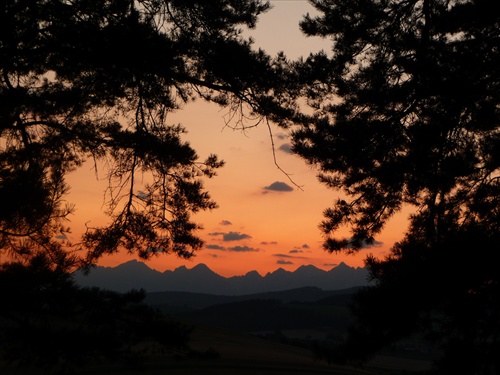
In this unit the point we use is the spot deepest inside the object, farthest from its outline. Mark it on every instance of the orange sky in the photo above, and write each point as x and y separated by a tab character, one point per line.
254	228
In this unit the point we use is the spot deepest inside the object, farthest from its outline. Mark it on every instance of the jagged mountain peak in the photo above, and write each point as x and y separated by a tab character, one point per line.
278	271
252	274
132	263
134	266
180	269
308	268
341	266
202	267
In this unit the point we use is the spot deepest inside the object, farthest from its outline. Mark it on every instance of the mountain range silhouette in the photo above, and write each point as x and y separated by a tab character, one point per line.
201	279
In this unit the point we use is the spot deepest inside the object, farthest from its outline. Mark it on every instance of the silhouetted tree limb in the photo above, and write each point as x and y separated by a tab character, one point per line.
95	80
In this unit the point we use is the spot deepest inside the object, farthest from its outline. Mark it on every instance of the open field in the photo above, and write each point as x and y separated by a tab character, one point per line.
222	352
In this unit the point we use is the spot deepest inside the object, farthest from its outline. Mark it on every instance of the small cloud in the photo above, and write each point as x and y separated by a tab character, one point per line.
295	251
268	243
62	237
305	246
361	244
214	247
225	222
284	262
242	249
286	147
235	236
214	255
231	236
279	186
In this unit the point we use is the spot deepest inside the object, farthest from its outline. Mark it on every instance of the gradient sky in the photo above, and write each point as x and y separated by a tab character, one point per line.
263	221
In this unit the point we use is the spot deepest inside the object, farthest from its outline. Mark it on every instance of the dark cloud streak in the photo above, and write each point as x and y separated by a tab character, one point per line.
289	256
214	247
231	236
242	249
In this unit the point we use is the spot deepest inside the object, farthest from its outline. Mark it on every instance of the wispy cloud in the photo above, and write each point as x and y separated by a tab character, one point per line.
374	244
214	247
225	222
280	255
242	249
284	262
366	245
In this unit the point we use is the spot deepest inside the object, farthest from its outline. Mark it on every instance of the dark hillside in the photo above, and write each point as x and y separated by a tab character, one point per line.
178	302
257	315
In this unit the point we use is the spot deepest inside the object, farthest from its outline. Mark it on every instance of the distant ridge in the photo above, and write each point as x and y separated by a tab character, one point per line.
201	279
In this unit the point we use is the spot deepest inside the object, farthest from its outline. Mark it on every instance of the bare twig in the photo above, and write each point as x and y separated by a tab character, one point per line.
275	160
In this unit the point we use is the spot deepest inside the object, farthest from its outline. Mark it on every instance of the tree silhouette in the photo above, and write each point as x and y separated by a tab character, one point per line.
95	81
407	114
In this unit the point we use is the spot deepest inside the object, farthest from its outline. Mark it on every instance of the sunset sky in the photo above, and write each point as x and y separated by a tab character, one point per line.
263	221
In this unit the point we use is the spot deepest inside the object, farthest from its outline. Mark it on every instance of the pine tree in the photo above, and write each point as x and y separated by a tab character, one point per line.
407	111
95	81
